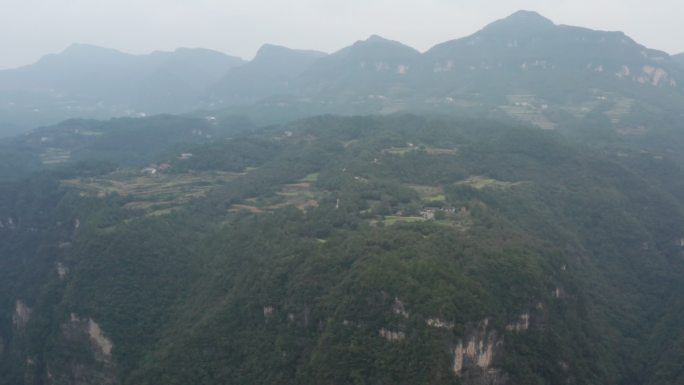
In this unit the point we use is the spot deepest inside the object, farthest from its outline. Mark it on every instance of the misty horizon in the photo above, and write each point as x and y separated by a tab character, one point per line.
440	23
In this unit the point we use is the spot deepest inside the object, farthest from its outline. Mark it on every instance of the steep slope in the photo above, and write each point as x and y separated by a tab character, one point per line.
267	75
523	67
351	250
533	69
679	58
131	142
372	67
369	76
88	81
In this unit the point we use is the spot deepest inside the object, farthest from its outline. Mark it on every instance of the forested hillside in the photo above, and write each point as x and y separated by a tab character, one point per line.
523	68
361	250
679	58
86	81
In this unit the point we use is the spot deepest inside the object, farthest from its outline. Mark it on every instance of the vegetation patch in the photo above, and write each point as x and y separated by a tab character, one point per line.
399	150
480	182
148	192
392	219
55	156
251	209
300	195
311	178
429	193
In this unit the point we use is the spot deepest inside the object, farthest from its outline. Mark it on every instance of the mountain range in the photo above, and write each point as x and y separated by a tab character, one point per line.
523	66
88	81
510	211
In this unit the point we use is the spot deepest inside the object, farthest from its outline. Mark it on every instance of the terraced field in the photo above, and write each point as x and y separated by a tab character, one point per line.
429	193
479	182
55	156
156	194
302	195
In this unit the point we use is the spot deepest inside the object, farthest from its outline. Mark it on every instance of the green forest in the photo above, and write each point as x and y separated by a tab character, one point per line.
343	250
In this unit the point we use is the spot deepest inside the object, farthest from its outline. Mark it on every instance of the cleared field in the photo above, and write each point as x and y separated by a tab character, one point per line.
55	156
480	182
392	219
251	209
157	192
430	150
311	178
302	195
429	193
399	150
621	108
441	151
529	109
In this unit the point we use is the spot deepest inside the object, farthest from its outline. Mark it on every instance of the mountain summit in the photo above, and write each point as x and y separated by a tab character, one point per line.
268	74
563	69
90	81
519	22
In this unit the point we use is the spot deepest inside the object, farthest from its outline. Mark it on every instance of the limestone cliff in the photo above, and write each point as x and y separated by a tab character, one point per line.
475	356
92	365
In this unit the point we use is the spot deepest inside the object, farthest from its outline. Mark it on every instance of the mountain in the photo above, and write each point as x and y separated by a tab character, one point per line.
333	250
354	80
368	67
89	81
526	60
268	74
523	67
466	246
129	142
679	58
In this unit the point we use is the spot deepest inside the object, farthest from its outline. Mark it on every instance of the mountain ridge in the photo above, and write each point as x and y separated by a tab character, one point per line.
523	66
90	81
268	74
679	58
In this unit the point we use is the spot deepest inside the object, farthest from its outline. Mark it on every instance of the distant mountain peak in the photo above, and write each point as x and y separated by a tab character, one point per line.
520	21
273	51
80	48
271	47
377	39
377	42
524	15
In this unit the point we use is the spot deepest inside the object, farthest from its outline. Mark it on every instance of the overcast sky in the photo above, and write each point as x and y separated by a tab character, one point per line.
30	29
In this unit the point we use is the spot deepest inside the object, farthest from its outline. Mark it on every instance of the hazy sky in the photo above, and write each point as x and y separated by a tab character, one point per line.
32	28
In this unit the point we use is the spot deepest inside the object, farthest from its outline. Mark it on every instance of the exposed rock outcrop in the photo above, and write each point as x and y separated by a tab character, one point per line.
475	356
98	367
522	324
439	324
21	316
62	270
398	308
392	336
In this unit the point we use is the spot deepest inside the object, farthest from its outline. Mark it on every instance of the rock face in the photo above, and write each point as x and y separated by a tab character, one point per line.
521	324
22	315
392	336
475	356
95	367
